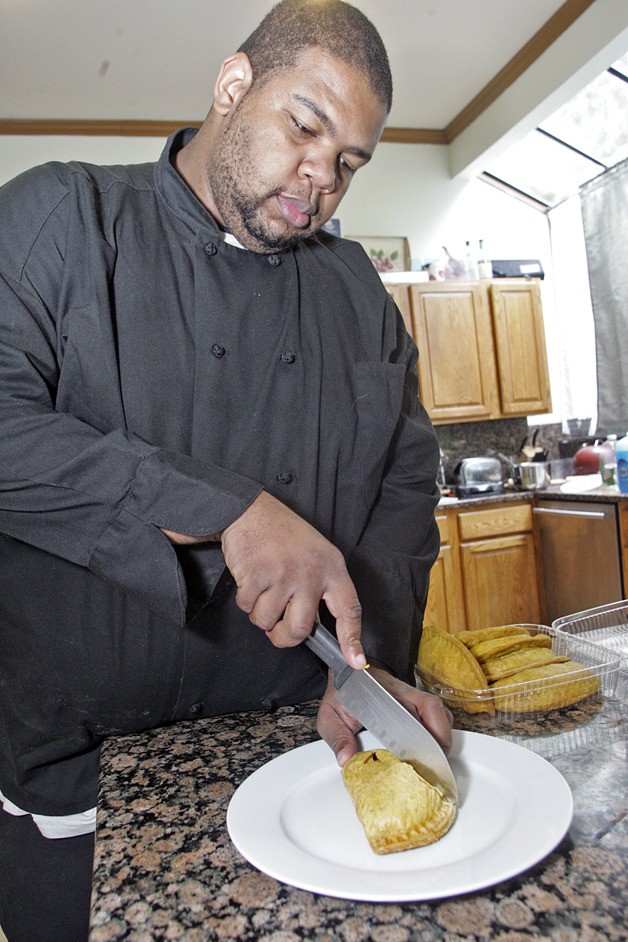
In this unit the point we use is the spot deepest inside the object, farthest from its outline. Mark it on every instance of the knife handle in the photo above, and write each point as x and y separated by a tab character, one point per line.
323	643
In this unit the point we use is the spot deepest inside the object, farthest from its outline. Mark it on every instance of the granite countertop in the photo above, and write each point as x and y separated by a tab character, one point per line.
603	494
166	869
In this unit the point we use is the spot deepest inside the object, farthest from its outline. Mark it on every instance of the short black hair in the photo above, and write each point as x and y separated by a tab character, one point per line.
333	25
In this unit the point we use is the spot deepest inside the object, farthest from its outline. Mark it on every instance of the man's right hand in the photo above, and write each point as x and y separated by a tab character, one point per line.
283	567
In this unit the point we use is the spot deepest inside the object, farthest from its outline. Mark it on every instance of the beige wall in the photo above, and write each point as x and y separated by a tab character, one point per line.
405	191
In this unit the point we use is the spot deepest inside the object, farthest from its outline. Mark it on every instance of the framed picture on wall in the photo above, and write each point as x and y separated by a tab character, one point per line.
333	226
388	253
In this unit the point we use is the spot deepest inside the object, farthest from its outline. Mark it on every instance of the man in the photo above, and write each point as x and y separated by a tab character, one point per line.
209	426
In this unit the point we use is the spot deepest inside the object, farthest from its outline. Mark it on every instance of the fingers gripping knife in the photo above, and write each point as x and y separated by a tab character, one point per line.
383	716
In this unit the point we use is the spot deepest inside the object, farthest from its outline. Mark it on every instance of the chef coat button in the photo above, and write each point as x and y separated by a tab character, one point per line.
287	357
218	351
274	260
285	477
269	703
211	248
196	707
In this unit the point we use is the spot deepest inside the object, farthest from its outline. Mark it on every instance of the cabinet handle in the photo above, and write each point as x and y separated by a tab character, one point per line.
570	513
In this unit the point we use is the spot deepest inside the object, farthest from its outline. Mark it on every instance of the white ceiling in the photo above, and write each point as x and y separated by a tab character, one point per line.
157	59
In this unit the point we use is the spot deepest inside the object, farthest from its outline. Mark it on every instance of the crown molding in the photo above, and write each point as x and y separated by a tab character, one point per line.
564	17
92	127
414	136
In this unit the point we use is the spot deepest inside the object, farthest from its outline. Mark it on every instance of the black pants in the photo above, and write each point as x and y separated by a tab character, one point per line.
45	885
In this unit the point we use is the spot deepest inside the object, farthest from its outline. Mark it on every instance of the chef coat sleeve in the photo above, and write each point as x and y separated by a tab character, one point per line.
391	563
97	498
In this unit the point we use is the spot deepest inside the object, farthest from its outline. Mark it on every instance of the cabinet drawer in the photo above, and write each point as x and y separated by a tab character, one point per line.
442	521
494	521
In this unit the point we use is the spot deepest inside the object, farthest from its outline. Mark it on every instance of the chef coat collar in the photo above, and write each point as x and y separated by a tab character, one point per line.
180	198
175	191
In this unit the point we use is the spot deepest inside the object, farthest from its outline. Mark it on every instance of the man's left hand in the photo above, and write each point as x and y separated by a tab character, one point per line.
338	727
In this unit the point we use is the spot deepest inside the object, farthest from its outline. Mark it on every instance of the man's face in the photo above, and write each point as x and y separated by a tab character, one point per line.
286	153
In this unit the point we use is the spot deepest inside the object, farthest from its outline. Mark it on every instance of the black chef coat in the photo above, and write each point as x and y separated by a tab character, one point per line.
153	375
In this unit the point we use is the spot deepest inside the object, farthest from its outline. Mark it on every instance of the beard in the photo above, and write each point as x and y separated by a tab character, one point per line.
257	227
240	195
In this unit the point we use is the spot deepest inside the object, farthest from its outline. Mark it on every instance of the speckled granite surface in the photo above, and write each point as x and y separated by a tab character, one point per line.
166	869
605	495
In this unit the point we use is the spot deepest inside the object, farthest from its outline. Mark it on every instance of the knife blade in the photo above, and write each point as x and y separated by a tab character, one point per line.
383	716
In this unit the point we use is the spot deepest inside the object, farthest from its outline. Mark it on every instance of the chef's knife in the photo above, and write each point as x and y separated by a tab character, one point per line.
383	716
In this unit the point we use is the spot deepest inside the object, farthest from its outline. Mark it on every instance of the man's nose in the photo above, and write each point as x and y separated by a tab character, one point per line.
321	170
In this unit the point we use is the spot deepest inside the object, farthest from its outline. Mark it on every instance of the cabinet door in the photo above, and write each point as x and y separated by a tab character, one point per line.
500	581
520	345
457	372
401	296
443	607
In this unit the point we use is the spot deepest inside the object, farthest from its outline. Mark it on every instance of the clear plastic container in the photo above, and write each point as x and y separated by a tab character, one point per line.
606	624
519	700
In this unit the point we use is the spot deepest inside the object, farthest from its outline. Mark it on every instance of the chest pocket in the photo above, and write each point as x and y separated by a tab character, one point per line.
378	394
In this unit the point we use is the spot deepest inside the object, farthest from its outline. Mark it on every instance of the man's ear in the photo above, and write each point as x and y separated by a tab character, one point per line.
234	80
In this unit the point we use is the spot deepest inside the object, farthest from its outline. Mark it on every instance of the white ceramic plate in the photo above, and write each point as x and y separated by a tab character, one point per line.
294	820
578	484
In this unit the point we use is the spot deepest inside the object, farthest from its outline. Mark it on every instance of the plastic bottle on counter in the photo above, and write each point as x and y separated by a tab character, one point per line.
485	266
608	461
470	264
621	453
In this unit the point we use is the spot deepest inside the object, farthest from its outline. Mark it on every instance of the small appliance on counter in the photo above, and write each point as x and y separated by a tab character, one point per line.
517	268
475	477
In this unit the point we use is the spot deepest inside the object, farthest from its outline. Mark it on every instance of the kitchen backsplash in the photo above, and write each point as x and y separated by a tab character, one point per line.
504	436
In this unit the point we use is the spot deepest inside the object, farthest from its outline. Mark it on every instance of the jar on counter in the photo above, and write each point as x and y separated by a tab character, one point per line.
596	459
608	461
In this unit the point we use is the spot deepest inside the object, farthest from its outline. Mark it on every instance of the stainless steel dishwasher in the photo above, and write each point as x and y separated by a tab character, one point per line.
581	556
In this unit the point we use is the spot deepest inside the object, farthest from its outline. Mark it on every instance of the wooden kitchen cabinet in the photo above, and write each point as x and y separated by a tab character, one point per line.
401	296
457	368
487	572
500	581
482	352
444	602
520	347
499	565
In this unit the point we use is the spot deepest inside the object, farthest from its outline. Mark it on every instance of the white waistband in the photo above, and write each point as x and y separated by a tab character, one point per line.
55	826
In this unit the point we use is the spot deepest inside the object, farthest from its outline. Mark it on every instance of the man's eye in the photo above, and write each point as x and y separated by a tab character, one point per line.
346	166
300	127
